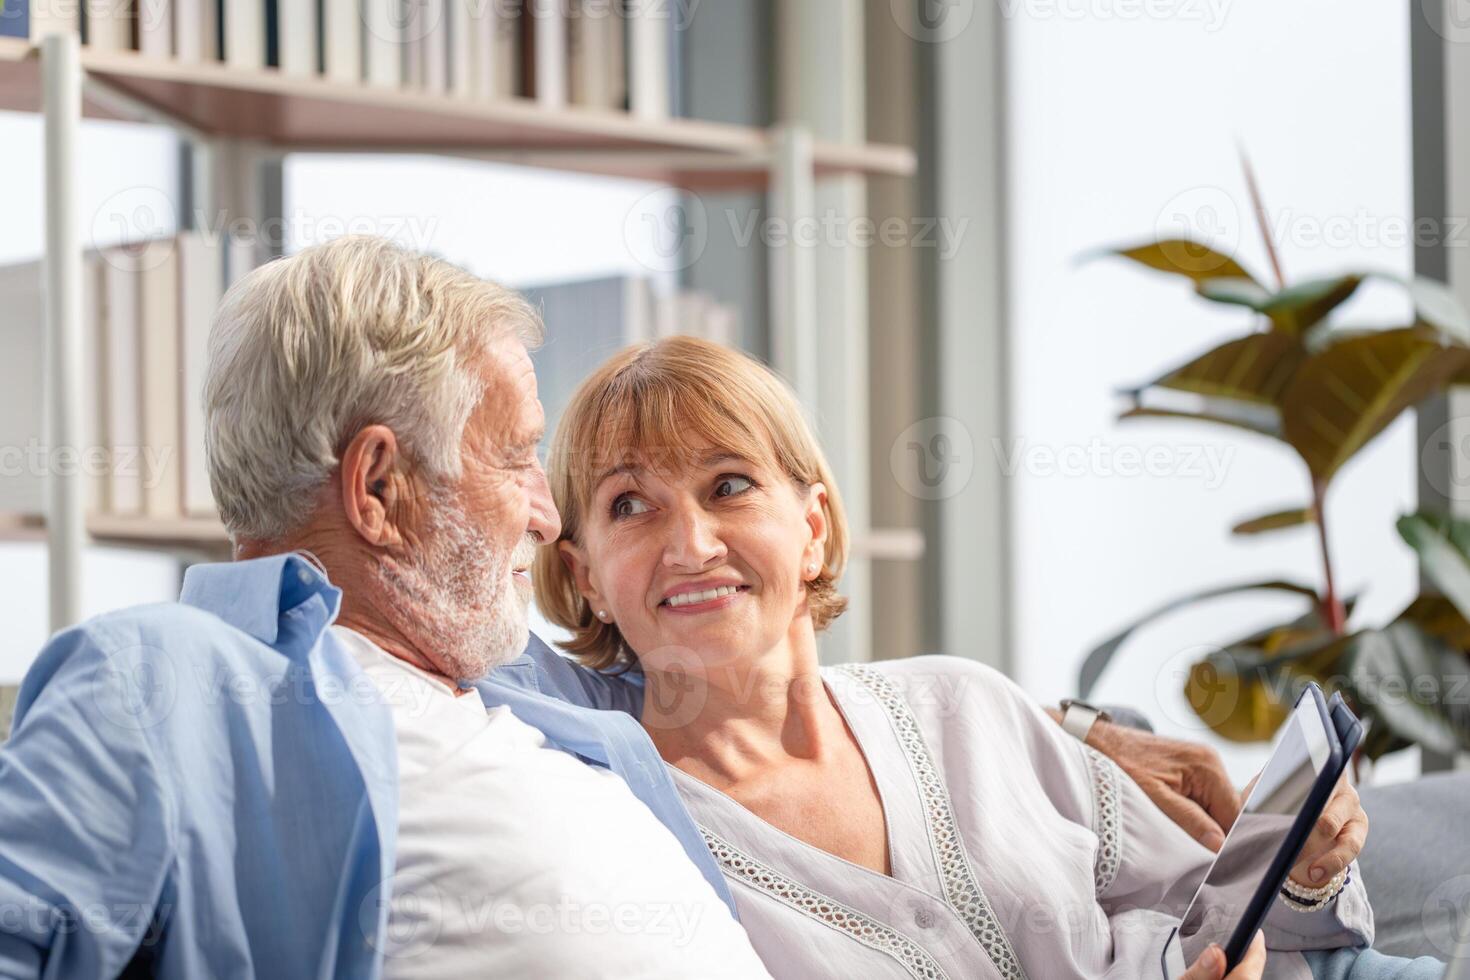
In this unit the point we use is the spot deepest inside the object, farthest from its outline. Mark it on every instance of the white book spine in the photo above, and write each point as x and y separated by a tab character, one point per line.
382	46
506	64
435	45
110	25
462	26
551	52
296	21
201	284
648	61
162	429
481	22
94	395
342	24
195	31
124	398
156	28
245	33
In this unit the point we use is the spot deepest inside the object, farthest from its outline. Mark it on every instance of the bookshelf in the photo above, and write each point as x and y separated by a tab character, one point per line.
229	110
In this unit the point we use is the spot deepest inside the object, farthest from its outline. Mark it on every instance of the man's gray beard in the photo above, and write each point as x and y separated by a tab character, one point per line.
455	598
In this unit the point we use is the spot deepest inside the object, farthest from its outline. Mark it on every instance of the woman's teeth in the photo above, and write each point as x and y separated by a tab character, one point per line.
690	598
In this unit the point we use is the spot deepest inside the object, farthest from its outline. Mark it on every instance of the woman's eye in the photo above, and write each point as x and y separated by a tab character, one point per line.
732	485
627	505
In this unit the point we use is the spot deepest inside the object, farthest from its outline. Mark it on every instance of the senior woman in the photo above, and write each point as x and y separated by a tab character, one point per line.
917	817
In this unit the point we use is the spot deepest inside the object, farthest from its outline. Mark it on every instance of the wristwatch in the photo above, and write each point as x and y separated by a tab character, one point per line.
1078	717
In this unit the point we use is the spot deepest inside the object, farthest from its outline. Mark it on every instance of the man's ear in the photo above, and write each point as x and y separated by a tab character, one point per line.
371	481
816	521
575	559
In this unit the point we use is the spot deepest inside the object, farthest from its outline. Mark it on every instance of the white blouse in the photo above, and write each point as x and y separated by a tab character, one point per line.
1016	851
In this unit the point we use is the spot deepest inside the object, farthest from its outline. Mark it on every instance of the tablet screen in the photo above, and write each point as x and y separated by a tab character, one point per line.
1300	753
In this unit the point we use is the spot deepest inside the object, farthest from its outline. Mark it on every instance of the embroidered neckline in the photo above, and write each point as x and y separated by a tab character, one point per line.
813	904
961	889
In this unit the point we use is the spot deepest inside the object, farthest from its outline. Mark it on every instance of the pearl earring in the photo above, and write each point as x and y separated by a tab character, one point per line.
602	614
812	568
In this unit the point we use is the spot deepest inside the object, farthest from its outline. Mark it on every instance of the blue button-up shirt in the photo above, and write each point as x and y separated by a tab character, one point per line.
209	787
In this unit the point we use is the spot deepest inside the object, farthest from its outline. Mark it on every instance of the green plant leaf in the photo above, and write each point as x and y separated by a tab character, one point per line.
1101	655
1297	307
1236	292
1275	521
1412	683
1218	411
1443	546
1244	691
1436	304
1253	368
1344	396
1182	257
1439	617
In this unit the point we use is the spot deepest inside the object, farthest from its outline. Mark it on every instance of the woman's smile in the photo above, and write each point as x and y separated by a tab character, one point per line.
701	598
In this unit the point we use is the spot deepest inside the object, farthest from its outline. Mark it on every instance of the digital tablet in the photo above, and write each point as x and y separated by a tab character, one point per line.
1311	751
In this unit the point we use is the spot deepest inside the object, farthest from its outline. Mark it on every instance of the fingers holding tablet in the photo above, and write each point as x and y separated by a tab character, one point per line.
1335	841
1211	963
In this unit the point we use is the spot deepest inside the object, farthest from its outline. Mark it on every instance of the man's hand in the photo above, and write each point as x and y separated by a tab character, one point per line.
1211	963
1185	780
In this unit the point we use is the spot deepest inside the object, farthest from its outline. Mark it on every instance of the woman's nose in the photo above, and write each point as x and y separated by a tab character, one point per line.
694	539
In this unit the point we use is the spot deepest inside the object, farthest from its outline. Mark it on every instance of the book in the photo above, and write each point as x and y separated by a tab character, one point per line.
121	385
341	40
201	284
547	68
244	33
463	25
95	439
162	430
22	336
434	44
196	31
648	29
382	42
108	25
34	19
506	61
296	26
156	28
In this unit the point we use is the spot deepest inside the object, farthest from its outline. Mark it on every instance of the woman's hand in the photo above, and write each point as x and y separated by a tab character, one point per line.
1336	841
1211	963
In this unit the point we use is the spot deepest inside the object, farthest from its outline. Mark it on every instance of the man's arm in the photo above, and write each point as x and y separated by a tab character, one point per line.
1185	780
84	841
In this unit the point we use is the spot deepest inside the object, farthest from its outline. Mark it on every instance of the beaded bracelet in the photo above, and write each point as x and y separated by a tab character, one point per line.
1302	899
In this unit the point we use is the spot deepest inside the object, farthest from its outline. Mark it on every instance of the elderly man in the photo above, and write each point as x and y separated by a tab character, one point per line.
280	775
289	772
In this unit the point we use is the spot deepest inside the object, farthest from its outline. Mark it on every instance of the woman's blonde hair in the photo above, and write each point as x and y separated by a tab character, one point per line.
663	404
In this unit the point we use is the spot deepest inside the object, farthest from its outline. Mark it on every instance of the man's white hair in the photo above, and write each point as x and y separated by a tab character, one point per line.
307	350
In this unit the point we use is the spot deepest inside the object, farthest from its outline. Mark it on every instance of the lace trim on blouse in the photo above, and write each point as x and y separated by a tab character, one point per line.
863	928
961	889
1104	818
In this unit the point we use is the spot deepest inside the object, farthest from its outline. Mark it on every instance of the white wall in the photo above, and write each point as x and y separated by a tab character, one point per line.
127	176
1122	129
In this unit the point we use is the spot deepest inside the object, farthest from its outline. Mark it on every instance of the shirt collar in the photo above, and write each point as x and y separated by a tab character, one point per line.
253	595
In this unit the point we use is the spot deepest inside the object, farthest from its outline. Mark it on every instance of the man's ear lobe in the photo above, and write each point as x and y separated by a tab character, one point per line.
368	489
575	559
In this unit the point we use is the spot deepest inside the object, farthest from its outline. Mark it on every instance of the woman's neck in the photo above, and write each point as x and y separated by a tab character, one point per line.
733	722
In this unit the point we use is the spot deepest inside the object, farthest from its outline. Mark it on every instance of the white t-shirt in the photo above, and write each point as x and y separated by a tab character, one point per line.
517	860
